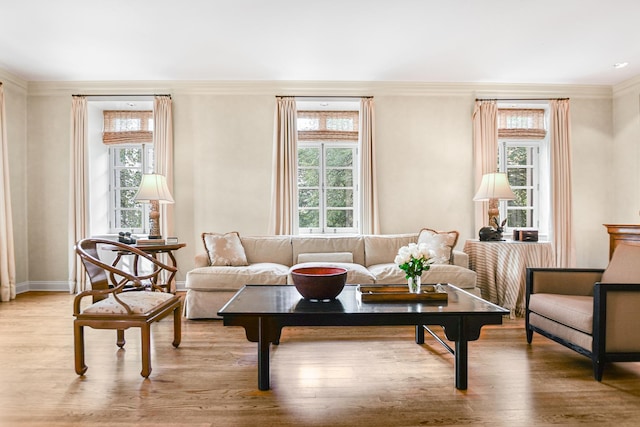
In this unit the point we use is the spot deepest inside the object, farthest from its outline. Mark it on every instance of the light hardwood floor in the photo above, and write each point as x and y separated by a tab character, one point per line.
374	376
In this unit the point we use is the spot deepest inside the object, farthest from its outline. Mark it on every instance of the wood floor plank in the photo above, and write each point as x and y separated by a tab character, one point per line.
368	376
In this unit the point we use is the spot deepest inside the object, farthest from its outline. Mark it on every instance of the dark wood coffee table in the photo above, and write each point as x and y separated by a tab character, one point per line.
263	310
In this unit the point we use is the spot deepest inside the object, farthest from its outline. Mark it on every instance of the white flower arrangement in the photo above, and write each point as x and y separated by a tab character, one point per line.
414	258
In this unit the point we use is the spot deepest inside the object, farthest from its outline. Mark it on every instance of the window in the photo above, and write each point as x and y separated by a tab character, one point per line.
327	172
128	163
523	156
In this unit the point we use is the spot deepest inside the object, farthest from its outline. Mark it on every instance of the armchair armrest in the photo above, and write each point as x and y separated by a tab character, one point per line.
201	260
565	281
616	317
460	258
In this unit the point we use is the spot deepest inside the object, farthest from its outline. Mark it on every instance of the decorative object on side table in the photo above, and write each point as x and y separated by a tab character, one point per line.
413	259
494	187
153	190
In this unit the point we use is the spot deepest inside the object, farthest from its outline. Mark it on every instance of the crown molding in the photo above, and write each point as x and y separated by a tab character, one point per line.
8	77
631	85
318	88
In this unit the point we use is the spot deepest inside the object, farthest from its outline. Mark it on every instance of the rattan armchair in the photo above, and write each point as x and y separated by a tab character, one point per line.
121	300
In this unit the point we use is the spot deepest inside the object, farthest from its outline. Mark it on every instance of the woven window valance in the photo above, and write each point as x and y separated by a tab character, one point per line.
127	127
523	123
328	125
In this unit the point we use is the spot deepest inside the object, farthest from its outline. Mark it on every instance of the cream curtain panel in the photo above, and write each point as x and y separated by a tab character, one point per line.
485	150
78	191
561	200
7	251
163	153
285	161
370	215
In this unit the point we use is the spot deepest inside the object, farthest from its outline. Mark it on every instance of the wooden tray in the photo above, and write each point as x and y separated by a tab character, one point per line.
400	293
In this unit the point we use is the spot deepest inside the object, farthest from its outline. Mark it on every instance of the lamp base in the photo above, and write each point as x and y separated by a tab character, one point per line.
154	220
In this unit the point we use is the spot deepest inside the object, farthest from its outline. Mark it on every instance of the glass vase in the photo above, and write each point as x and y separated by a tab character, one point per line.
414	284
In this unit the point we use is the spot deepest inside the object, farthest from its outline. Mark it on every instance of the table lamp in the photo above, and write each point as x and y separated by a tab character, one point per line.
494	187
153	190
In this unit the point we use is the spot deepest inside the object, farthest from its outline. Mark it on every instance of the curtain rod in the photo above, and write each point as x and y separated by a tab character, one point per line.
322	96
522	99
124	95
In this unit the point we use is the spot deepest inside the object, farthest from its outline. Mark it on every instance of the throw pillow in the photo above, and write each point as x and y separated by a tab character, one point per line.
224	249
326	257
624	266
440	242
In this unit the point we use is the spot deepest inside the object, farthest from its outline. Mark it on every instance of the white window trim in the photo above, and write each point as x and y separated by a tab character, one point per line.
323	145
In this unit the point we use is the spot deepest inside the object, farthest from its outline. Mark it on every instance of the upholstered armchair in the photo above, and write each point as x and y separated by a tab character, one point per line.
592	311
121	300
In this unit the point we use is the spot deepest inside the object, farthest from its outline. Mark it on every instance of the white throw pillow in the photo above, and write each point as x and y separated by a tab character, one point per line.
326	257
440	242
224	249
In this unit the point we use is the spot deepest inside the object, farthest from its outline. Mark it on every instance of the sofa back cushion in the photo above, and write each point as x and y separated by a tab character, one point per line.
382	249
313	244
624	266
275	249
326	257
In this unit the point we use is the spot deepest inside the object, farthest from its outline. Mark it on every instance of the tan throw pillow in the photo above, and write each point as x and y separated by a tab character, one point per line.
624	266
440	242
224	249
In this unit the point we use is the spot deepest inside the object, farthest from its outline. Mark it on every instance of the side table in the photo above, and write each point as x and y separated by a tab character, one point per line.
501	269
153	250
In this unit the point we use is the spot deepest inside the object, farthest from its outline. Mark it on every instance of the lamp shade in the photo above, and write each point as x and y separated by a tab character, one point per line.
153	187
494	186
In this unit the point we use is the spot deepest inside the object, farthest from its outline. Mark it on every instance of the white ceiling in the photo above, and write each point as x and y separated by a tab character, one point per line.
471	41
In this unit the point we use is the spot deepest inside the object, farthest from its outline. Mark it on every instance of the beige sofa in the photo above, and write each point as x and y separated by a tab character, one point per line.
269	259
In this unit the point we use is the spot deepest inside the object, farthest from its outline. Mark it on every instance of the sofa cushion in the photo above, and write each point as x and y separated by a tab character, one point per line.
309	244
276	249
574	311
440	242
356	273
224	249
624	266
391	274
233	278
382	249
326	257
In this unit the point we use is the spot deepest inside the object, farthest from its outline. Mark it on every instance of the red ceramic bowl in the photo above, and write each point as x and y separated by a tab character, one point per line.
319	283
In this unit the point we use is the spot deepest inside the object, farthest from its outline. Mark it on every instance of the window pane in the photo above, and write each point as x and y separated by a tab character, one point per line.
131	157
519	177
308	178
523	198
309	218
339	198
308	123
340	177
130	178
518	156
339	218
308	156
339	157
126	199
343	124
519	218
309	198
130	219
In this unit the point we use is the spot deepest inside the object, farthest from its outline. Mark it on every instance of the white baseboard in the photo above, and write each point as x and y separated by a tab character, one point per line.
59	286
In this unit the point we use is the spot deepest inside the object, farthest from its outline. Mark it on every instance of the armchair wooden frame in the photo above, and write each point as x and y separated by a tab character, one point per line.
606	320
133	309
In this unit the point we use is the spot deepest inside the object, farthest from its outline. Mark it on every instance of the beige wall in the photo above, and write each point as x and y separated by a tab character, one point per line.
223	149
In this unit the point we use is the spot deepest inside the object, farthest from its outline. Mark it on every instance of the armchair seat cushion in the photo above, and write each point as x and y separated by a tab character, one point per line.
139	302
574	311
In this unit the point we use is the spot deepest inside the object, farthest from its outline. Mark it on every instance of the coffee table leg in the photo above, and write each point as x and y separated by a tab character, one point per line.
263	354
461	364
419	334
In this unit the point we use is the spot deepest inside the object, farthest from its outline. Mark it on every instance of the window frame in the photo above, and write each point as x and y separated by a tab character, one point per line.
115	190
323	188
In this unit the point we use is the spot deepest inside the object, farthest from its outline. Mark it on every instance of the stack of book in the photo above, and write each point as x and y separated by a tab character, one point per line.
150	242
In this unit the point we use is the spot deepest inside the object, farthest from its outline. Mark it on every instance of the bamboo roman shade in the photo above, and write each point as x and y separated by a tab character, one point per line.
127	127
521	123
327	125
